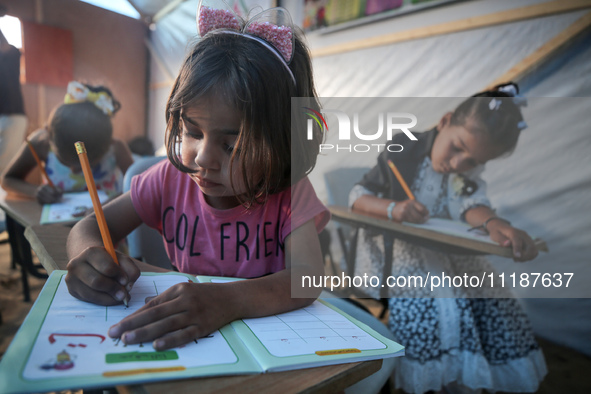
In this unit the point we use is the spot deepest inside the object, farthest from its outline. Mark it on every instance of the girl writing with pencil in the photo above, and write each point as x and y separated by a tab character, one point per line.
454	341
84	116
229	201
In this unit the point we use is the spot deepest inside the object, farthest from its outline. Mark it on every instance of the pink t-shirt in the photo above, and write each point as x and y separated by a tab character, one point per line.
202	240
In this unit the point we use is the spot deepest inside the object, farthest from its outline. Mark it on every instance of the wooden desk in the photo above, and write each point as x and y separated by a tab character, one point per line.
21	213
329	379
428	238
424	237
24	211
49	243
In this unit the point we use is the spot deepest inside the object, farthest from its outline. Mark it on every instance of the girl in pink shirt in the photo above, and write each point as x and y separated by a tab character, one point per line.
230	200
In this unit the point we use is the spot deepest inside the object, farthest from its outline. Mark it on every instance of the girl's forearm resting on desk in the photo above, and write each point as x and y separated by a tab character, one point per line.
14	176
478	215
501	231
44	193
18	186
371	205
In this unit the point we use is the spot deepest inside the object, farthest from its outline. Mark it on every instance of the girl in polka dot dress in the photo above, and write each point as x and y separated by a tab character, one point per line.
455	340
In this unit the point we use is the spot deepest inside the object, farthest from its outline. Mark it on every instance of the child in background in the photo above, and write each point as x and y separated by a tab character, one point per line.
84	116
452	341
13	122
141	146
228	202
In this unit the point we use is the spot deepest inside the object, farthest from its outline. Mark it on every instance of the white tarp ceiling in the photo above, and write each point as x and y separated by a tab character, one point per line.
152	7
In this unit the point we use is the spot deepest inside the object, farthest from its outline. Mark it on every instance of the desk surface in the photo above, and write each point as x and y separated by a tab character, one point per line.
428	238
49	243
329	379
27	212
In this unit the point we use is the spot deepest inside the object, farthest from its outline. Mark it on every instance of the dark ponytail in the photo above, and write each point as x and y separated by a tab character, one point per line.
496	112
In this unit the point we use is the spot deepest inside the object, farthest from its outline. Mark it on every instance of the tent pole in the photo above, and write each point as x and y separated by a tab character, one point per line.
543	53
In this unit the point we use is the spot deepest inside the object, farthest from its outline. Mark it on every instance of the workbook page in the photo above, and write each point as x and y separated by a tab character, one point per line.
316	329
72	207
451	227
73	339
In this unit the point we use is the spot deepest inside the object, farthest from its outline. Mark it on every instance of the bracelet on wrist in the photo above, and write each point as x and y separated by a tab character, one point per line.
487	221
390	209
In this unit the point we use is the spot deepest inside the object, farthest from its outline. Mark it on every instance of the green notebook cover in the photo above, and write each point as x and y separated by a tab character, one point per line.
63	343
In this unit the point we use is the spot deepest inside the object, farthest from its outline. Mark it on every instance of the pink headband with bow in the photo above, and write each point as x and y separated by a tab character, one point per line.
272	27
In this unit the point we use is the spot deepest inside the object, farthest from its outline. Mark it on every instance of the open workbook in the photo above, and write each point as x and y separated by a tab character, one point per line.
63	343
72	207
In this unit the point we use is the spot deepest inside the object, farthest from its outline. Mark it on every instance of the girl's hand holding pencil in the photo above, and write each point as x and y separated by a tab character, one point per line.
94	277
409	210
47	194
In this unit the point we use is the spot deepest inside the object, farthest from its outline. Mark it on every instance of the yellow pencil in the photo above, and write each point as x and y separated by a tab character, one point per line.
96	203
40	164
401	180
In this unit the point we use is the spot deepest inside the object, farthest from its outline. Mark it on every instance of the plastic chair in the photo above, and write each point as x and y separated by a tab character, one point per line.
144	242
339	183
375	382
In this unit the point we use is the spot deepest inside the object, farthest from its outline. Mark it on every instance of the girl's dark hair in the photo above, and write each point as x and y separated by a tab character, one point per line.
260	88
501	119
85	122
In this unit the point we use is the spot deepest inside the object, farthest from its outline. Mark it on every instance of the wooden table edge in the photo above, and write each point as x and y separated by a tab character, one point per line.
344	214
284	382
51	258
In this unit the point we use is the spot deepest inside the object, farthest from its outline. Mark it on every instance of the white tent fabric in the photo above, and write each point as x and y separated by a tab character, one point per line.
553	200
169	42
170	37
149	7
557	145
451	65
